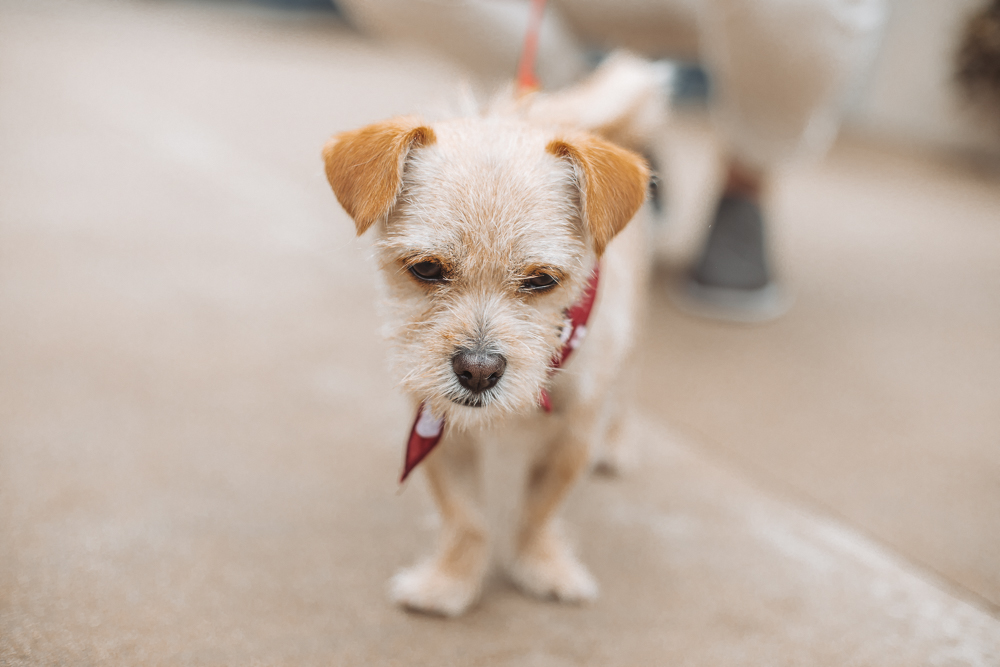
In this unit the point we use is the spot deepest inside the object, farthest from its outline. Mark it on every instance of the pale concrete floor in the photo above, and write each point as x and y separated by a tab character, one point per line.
198	444
877	397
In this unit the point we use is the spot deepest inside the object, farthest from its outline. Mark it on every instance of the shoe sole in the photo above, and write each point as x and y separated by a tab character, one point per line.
724	304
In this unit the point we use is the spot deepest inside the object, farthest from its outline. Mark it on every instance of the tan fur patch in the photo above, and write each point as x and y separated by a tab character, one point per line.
614	183
365	166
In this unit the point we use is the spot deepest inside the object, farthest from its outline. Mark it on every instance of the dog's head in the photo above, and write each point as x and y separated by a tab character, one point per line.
488	230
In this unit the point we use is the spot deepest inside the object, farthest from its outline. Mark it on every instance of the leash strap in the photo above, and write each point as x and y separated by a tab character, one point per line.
527	82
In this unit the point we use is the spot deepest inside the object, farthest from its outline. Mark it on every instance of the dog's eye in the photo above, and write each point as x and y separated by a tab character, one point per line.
431	272
539	283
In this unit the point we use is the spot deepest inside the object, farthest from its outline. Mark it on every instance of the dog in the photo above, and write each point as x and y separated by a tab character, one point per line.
489	229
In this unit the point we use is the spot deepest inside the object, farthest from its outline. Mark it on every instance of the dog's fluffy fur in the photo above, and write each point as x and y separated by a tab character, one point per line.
531	186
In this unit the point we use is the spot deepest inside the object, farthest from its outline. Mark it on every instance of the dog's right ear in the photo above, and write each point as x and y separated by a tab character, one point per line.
365	167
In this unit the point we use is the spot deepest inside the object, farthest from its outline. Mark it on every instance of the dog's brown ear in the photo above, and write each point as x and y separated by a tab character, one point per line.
614	183
365	167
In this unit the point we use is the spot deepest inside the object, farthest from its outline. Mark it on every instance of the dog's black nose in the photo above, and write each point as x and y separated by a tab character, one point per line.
478	371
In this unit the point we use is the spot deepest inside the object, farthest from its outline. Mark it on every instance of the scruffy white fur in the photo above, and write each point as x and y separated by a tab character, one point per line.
529	187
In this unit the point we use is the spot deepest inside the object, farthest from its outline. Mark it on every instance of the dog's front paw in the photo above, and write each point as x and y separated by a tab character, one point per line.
426	588
553	572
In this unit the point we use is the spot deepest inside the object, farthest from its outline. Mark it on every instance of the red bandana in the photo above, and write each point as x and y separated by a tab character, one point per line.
427	429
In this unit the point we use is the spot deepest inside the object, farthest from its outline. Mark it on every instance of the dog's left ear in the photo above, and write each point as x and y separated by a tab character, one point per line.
365	167
613	183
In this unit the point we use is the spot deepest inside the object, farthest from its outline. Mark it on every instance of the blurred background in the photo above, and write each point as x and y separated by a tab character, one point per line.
199	442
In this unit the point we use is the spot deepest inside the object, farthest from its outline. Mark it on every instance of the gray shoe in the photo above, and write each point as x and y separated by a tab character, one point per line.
731	280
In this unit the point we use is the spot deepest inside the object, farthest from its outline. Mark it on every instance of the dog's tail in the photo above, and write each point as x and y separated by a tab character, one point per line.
625	100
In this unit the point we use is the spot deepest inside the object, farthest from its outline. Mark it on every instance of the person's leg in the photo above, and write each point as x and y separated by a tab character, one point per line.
779	70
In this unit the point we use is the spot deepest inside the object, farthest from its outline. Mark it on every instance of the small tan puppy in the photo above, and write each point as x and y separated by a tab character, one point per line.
488	230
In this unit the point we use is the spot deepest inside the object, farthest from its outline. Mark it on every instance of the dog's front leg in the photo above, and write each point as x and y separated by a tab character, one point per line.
544	565
449	582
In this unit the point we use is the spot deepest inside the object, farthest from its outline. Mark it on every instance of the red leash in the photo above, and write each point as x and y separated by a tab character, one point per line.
527	82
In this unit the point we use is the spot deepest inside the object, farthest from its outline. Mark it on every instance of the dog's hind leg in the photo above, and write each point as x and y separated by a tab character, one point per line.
543	564
614	451
450	581
613	454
